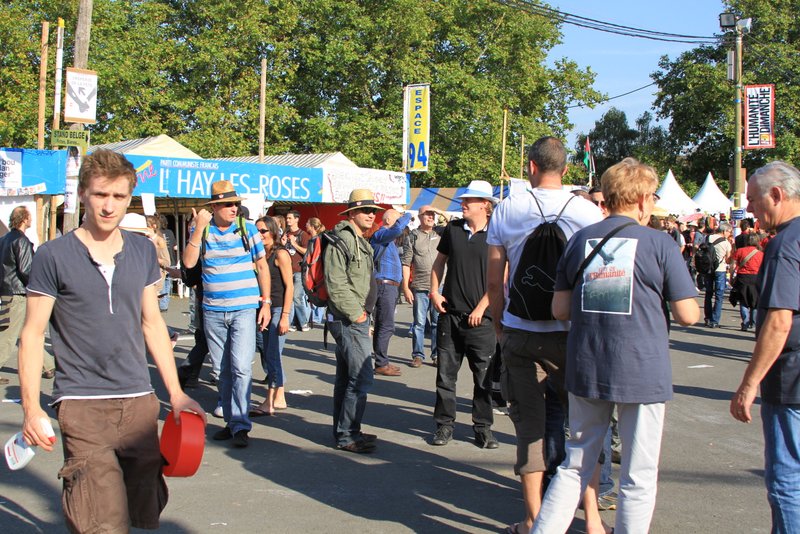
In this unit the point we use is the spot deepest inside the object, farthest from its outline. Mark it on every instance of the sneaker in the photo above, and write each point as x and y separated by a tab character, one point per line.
306	328
358	447
222	435
218	412
616	457
484	439
292	328
607	502
434	361
416	361
240	439
442	436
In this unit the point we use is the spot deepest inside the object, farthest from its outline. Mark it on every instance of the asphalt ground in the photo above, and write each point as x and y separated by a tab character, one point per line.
292	479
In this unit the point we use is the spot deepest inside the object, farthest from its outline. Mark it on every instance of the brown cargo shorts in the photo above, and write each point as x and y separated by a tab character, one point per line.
528	358
112	473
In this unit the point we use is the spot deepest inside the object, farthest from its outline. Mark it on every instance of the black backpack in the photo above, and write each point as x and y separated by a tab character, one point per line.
705	259
530	294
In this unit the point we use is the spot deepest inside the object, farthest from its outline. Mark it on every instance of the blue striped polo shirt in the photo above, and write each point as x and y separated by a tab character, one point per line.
229	278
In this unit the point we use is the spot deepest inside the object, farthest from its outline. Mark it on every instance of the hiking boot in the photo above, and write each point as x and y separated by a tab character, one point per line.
442	436
484	439
416	361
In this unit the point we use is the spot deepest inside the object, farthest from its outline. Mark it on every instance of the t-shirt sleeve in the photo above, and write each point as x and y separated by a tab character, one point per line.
678	283
151	260
782	287
44	275
444	242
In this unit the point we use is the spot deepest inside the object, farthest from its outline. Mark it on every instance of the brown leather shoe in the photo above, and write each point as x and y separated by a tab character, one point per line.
4	381
387	370
416	361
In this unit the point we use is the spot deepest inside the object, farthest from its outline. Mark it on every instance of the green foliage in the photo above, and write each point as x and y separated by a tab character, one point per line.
697	98
335	72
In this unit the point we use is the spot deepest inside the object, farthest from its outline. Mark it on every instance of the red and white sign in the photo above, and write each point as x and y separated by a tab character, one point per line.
759	116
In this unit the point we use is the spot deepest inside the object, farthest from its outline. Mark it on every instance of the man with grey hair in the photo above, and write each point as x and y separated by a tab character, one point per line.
715	282
773	195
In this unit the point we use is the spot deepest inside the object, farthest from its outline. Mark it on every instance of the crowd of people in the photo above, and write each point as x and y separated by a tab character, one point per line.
550	289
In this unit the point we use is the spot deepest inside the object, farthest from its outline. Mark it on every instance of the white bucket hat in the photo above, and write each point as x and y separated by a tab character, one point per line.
478	189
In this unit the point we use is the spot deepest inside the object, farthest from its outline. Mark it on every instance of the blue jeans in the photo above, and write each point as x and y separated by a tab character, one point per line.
748	315
782	464
300	312
318	313
715	288
272	350
163	302
231	338
423	307
606	481
354	376
384	323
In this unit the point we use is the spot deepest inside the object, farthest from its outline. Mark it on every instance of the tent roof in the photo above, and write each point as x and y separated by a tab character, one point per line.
711	199
160	145
673	198
298	160
443	198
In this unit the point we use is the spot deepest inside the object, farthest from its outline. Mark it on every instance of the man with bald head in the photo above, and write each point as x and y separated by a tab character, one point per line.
388	276
419	252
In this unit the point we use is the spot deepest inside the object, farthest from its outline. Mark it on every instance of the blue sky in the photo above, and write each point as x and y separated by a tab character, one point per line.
621	63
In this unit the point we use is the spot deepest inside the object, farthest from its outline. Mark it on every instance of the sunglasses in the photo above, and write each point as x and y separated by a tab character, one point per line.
369	211
230	204
656	198
263	230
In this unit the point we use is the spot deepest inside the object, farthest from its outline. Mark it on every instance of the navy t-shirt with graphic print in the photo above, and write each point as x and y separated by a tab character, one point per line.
618	343
779	283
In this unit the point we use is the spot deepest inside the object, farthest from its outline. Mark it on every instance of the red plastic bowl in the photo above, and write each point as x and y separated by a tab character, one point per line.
182	445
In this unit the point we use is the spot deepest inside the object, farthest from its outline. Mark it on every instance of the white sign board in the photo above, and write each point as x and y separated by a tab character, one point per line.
80	100
10	168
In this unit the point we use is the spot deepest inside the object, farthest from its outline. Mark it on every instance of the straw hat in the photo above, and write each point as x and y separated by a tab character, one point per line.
223	191
133	222
478	189
361	198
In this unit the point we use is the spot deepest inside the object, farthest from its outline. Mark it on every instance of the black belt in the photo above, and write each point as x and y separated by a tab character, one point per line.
388	282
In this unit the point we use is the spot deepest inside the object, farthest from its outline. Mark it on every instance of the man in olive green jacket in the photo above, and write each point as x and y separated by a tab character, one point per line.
351	298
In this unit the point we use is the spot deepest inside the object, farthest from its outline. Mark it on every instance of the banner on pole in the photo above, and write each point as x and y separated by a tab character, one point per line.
80	102
759	113
416	127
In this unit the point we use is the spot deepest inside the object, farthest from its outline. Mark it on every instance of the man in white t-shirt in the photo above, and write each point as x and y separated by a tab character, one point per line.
532	350
715	283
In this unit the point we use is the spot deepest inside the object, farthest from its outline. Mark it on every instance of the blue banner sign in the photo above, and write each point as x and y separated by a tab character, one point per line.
32	172
192	178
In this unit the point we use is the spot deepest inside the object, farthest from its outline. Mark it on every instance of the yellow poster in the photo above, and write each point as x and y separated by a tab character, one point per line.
416	127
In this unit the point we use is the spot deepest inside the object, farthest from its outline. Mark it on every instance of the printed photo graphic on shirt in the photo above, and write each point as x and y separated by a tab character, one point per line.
608	279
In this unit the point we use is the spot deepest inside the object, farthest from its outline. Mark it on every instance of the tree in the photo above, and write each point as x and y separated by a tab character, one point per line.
695	96
611	140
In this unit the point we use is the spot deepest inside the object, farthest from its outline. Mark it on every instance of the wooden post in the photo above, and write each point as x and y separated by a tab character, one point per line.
83	32
43	82
262	110
503	173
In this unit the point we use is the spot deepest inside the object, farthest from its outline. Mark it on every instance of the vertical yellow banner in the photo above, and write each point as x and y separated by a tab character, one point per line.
416	127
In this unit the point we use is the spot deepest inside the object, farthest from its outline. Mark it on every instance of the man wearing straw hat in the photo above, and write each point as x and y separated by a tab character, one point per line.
98	288
352	294
235	300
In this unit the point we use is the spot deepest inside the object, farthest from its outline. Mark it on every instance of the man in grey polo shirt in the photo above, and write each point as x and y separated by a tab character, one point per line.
98	288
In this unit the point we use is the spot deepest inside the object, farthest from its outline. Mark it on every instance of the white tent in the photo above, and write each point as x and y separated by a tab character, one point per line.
711	199
673	198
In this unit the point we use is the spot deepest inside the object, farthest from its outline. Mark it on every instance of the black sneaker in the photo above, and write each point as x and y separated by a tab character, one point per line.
442	436
240	439
222	435
485	440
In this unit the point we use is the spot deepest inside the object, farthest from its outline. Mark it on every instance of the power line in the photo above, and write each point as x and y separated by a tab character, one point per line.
613	97
608	27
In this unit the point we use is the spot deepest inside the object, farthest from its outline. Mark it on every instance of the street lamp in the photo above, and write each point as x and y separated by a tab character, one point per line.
729	21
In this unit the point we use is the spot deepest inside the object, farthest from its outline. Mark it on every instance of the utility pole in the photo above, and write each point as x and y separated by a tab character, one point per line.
81	61
736	187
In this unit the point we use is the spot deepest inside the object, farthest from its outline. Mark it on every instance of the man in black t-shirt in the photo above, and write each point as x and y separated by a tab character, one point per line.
465	327
773	195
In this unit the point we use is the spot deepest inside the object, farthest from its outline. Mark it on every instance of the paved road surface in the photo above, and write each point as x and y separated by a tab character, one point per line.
290	479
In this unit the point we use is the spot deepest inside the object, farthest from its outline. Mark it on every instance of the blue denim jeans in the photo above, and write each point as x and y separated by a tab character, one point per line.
231	338
300	311
384	323
423	308
781	424
163	302
748	316
606	481
354	376
318	313
715	289
271	348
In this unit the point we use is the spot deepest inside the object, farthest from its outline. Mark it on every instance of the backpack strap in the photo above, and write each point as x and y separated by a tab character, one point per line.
560	213
596	250
748	257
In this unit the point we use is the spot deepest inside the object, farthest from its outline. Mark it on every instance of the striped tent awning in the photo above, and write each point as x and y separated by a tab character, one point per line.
443	198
